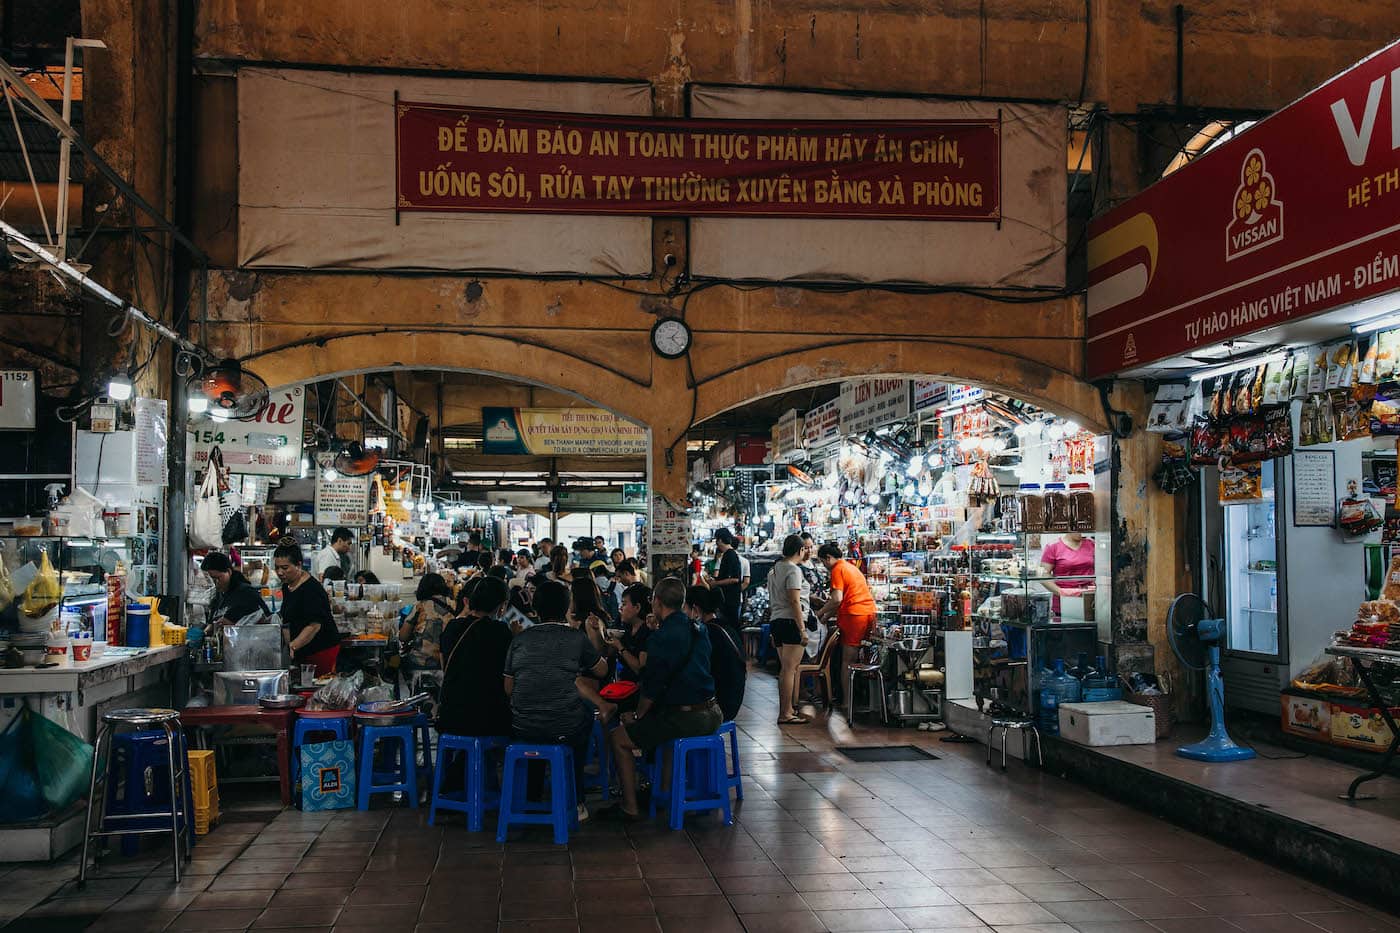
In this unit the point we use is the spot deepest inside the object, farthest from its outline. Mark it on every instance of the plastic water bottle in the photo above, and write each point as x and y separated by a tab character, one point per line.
1065	687
1048	714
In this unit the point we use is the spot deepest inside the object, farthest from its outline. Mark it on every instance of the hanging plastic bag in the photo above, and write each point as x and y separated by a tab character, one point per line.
44	592
206	526
233	521
7	587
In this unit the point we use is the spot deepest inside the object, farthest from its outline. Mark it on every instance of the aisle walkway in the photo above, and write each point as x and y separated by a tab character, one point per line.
820	843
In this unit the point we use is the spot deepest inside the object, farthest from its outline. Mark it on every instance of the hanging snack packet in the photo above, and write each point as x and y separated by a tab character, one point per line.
1242	483
1385	414
1273	382
1385	356
1317	373
1278	428
1302	367
1367	374
1326	420
1307	423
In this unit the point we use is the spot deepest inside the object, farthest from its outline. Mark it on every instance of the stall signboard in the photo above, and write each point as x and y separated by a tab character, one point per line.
561	432
787	434
929	394
441	529
1292	217
669	528
634	493
17	402
870	403
342	500
822	425
267	445
456	158
960	395
150	435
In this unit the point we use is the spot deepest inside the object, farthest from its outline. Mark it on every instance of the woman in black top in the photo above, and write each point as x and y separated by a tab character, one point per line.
631	644
727	664
236	598
306	611
474	646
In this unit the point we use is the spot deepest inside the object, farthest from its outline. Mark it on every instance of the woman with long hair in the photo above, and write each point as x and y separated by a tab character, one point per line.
421	633
306	611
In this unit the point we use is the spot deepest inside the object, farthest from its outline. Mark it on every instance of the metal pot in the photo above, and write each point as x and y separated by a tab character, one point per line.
282	701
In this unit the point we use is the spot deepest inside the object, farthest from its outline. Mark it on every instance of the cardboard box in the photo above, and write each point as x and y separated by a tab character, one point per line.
1077	608
1111	723
1361	727
1306	715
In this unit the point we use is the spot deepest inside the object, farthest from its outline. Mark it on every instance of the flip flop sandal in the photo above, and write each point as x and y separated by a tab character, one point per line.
794	721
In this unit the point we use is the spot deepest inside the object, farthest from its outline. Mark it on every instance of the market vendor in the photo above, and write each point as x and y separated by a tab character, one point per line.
335	554
1071	556
306	611
236	598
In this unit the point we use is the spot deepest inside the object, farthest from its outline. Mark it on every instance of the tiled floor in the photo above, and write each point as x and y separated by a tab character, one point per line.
1302	787
820	843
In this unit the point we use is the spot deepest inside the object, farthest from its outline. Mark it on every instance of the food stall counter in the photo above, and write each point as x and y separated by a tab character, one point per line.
73	692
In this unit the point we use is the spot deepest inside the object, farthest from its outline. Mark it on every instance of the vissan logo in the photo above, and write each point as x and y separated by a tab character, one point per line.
1257	214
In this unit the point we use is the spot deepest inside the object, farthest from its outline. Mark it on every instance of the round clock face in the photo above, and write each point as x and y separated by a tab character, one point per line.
671	337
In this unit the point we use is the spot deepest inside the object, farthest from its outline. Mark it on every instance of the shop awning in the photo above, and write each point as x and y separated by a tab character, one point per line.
1243	248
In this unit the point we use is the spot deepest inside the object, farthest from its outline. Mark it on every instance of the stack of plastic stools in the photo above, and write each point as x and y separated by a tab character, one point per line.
404	776
204	784
480	788
599	751
562	810
732	771
696	785
335	723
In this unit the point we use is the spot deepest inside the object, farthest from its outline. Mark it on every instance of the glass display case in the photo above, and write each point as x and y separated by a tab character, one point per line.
1251	574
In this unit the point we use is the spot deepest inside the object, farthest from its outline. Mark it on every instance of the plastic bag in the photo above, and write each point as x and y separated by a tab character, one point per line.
20	798
206	524
342	692
7	588
62	761
44	591
376	693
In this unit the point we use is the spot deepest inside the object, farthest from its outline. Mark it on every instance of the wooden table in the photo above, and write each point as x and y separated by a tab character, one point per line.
279	721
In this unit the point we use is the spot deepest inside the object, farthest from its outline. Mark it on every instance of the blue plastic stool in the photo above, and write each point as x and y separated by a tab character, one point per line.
562	810
481	791
130	795
338	726
765	643
600	751
403	778
701	786
732	772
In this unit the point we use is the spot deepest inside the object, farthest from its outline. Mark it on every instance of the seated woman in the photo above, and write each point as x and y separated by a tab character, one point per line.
727	664
366	577
235	598
420	635
474	646
631	644
542	670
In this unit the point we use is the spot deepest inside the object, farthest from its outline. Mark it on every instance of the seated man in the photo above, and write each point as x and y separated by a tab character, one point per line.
678	693
542	669
727	663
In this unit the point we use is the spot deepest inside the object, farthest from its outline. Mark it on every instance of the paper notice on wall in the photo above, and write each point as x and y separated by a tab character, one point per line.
670	527
151	441
343	500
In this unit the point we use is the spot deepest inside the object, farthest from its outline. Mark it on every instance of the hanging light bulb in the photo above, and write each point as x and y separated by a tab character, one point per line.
119	388
916	463
328	475
408	504
398	494
908	490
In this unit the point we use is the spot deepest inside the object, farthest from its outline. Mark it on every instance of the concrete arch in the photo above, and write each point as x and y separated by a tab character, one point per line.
442	350
1044	386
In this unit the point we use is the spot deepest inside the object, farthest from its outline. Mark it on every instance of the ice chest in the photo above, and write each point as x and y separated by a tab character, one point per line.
1109	723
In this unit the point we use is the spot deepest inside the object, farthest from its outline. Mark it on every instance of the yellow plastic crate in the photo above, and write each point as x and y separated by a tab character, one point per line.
206	815
173	634
204	780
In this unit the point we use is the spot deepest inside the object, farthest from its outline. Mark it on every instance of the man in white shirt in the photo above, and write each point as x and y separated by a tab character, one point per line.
335	554
542	562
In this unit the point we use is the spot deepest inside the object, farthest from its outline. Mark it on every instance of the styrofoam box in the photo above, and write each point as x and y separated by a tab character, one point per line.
1110	723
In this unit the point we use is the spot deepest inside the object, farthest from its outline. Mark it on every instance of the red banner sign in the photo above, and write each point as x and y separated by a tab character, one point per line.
1294	216
522	161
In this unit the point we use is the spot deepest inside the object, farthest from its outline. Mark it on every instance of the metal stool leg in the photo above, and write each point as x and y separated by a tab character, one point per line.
1039	751
103	733
176	786
991	734
851	698
880	686
1005	741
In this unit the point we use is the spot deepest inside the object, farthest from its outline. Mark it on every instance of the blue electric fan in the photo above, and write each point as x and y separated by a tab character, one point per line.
1196	635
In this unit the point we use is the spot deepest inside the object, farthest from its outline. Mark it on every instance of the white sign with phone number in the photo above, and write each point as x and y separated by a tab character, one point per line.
268	445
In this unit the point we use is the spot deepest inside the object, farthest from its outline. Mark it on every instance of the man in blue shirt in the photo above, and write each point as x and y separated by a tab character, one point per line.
677	695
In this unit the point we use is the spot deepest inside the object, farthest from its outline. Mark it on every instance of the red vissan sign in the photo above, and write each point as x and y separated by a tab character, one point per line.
520	161
1296	215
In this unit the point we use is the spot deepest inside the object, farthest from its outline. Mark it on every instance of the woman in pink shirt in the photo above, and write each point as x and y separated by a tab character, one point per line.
1071	556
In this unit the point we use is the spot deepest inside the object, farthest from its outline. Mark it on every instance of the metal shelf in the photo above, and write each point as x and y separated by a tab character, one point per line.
1008	578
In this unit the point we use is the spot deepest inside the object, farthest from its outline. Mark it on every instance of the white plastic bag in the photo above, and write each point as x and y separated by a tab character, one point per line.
206	524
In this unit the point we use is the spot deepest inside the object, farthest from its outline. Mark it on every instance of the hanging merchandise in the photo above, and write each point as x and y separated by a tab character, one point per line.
234	523
206	523
1241	483
982	486
1356	514
7	588
43	593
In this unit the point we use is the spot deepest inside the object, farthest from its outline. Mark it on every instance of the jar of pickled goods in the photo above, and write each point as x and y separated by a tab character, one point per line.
1030	508
1057	512
1083	511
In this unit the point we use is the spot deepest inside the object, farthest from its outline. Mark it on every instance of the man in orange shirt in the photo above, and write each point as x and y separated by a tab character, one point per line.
850	603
